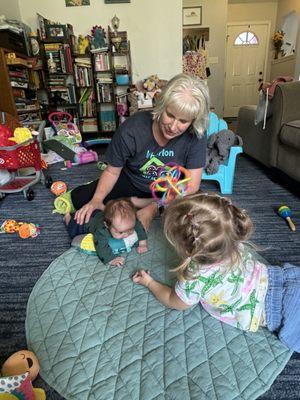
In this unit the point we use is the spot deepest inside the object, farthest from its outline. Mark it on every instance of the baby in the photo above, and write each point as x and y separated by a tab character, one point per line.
115	230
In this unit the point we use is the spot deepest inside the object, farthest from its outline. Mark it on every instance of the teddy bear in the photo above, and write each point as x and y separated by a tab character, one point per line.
218	149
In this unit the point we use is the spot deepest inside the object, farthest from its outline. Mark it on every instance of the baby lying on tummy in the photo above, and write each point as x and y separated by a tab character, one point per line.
115	230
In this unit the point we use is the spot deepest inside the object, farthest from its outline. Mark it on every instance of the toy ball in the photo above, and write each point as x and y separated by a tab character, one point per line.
21	362
58	188
172	181
10	226
28	230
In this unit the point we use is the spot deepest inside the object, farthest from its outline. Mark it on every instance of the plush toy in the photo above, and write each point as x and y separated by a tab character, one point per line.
17	373
218	149
97	38
21	362
21	135
29	230
83	44
151	83
24	229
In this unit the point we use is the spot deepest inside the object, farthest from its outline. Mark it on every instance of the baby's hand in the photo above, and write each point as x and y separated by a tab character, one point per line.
142	248
117	262
142	278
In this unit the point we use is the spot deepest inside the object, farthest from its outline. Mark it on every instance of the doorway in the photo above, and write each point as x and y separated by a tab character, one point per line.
246	55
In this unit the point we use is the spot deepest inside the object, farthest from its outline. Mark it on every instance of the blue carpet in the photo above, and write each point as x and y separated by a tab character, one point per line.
23	261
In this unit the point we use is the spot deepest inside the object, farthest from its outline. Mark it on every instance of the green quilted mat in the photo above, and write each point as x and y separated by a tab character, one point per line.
99	336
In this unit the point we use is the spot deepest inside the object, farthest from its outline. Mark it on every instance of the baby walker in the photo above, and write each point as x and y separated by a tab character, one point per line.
23	154
69	136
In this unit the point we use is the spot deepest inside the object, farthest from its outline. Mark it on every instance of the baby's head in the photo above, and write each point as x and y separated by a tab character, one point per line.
206	228
120	218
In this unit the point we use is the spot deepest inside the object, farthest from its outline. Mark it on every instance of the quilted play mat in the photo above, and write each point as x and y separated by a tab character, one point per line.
99	336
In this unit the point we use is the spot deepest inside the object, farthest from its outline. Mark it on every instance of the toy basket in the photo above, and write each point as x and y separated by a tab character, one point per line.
22	155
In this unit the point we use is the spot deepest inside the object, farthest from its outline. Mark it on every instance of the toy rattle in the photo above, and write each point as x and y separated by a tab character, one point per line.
286	213
172	181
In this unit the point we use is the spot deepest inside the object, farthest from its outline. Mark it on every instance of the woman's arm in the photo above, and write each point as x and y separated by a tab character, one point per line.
106	183
196	176
163	293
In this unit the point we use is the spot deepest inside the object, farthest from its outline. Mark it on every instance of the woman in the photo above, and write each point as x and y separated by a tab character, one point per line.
173	132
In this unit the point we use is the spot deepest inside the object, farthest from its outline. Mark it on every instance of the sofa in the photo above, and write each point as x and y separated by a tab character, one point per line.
278	145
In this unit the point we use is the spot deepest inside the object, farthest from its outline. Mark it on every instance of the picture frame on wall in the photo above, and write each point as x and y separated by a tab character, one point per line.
191	16
116	1
77	3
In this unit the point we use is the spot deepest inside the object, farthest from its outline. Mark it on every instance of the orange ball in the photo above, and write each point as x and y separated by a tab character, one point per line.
58	188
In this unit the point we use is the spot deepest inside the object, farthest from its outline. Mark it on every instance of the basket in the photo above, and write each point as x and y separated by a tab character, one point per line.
22	155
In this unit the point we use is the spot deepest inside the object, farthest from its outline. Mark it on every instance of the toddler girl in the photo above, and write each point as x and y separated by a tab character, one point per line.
221	273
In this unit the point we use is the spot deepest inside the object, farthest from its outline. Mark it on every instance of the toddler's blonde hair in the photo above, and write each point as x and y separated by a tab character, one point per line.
205	228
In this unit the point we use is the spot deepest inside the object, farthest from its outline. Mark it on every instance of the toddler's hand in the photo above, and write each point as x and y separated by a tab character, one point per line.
117	262
142	278
142	249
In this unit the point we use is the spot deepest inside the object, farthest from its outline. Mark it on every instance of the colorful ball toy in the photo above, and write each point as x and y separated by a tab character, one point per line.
58	188
286	213
172	181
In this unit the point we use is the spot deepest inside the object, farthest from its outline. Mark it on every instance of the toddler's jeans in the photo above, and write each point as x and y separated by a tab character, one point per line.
283	304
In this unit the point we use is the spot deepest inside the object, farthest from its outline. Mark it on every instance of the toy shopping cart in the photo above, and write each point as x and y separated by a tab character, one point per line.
21	156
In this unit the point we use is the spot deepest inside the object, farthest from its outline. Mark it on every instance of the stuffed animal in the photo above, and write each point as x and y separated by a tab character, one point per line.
21	135
17	373
83	44
218	149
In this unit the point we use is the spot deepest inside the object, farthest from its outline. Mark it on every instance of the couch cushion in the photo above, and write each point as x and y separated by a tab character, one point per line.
290	134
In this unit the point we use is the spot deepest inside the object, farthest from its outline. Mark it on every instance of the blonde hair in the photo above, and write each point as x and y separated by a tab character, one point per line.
122	207
205	228
190	95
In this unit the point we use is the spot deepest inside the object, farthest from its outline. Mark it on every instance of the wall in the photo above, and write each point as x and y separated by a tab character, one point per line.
263	11
153	27
10	8
284	7
214	17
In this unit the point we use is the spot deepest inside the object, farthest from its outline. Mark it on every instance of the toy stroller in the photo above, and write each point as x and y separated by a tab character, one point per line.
23	155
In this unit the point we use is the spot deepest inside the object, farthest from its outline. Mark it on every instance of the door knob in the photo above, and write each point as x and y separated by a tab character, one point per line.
260	80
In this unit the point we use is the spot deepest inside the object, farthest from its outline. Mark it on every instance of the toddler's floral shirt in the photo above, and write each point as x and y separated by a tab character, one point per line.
234	295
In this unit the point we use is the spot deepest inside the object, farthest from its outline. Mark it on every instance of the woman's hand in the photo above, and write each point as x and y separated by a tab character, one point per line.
142	278
84	214
146	215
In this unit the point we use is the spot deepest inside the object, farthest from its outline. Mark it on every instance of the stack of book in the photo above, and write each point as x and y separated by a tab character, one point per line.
87	103
59	58
101	62
83	72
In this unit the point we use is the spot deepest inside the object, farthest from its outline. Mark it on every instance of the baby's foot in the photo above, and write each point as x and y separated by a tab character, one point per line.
67	218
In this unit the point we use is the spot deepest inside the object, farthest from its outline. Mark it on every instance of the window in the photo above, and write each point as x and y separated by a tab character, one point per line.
248	38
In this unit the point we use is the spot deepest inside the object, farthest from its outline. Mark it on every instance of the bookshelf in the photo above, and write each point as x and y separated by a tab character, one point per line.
21	77
85	93
59	71
112	81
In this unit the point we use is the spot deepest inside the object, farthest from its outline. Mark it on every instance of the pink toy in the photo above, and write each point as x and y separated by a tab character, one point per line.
85	157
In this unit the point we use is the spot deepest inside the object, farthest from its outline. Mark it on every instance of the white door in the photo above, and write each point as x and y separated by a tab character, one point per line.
245	65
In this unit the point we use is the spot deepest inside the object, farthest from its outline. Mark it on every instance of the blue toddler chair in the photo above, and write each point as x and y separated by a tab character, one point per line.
225	174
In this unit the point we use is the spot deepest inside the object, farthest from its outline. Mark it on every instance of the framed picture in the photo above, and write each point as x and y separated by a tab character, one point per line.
191	16
116	1
76	3
56	31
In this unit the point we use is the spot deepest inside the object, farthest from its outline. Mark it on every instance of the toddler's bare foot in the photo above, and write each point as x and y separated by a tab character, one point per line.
67	218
